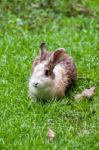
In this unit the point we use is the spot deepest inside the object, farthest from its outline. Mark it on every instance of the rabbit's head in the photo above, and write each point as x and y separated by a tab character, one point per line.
42	80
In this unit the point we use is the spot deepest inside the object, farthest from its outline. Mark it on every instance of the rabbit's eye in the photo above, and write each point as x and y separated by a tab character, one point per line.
47	72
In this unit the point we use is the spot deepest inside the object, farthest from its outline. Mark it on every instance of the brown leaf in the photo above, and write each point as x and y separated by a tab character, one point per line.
51	134
87	93
78	97
34	5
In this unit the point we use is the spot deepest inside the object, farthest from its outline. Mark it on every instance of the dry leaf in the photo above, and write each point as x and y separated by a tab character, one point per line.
35	5
78	96
51	134
87	93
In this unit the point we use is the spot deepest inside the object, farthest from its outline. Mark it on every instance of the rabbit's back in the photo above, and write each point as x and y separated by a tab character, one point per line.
65	75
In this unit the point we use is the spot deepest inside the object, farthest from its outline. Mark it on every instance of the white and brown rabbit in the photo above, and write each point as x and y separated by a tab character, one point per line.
52	73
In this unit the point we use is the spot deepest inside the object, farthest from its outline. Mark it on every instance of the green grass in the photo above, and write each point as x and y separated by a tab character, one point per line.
24	124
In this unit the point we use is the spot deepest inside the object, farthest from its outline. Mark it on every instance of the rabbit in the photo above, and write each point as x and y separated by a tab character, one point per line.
52	74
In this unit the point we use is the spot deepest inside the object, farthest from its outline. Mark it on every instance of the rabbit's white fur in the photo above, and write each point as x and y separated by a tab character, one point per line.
44	83
53	85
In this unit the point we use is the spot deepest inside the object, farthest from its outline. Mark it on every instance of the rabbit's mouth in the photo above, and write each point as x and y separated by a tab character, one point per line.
41	88
43	92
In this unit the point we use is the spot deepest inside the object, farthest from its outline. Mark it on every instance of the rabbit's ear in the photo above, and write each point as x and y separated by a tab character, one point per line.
43	51
57	55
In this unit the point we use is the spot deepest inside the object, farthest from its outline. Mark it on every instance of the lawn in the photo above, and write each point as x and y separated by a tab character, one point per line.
24	124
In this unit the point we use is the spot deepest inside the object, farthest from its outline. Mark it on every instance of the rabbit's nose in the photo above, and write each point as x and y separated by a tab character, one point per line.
35	84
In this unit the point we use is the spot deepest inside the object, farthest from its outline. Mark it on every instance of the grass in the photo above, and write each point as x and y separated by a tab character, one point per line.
24	124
